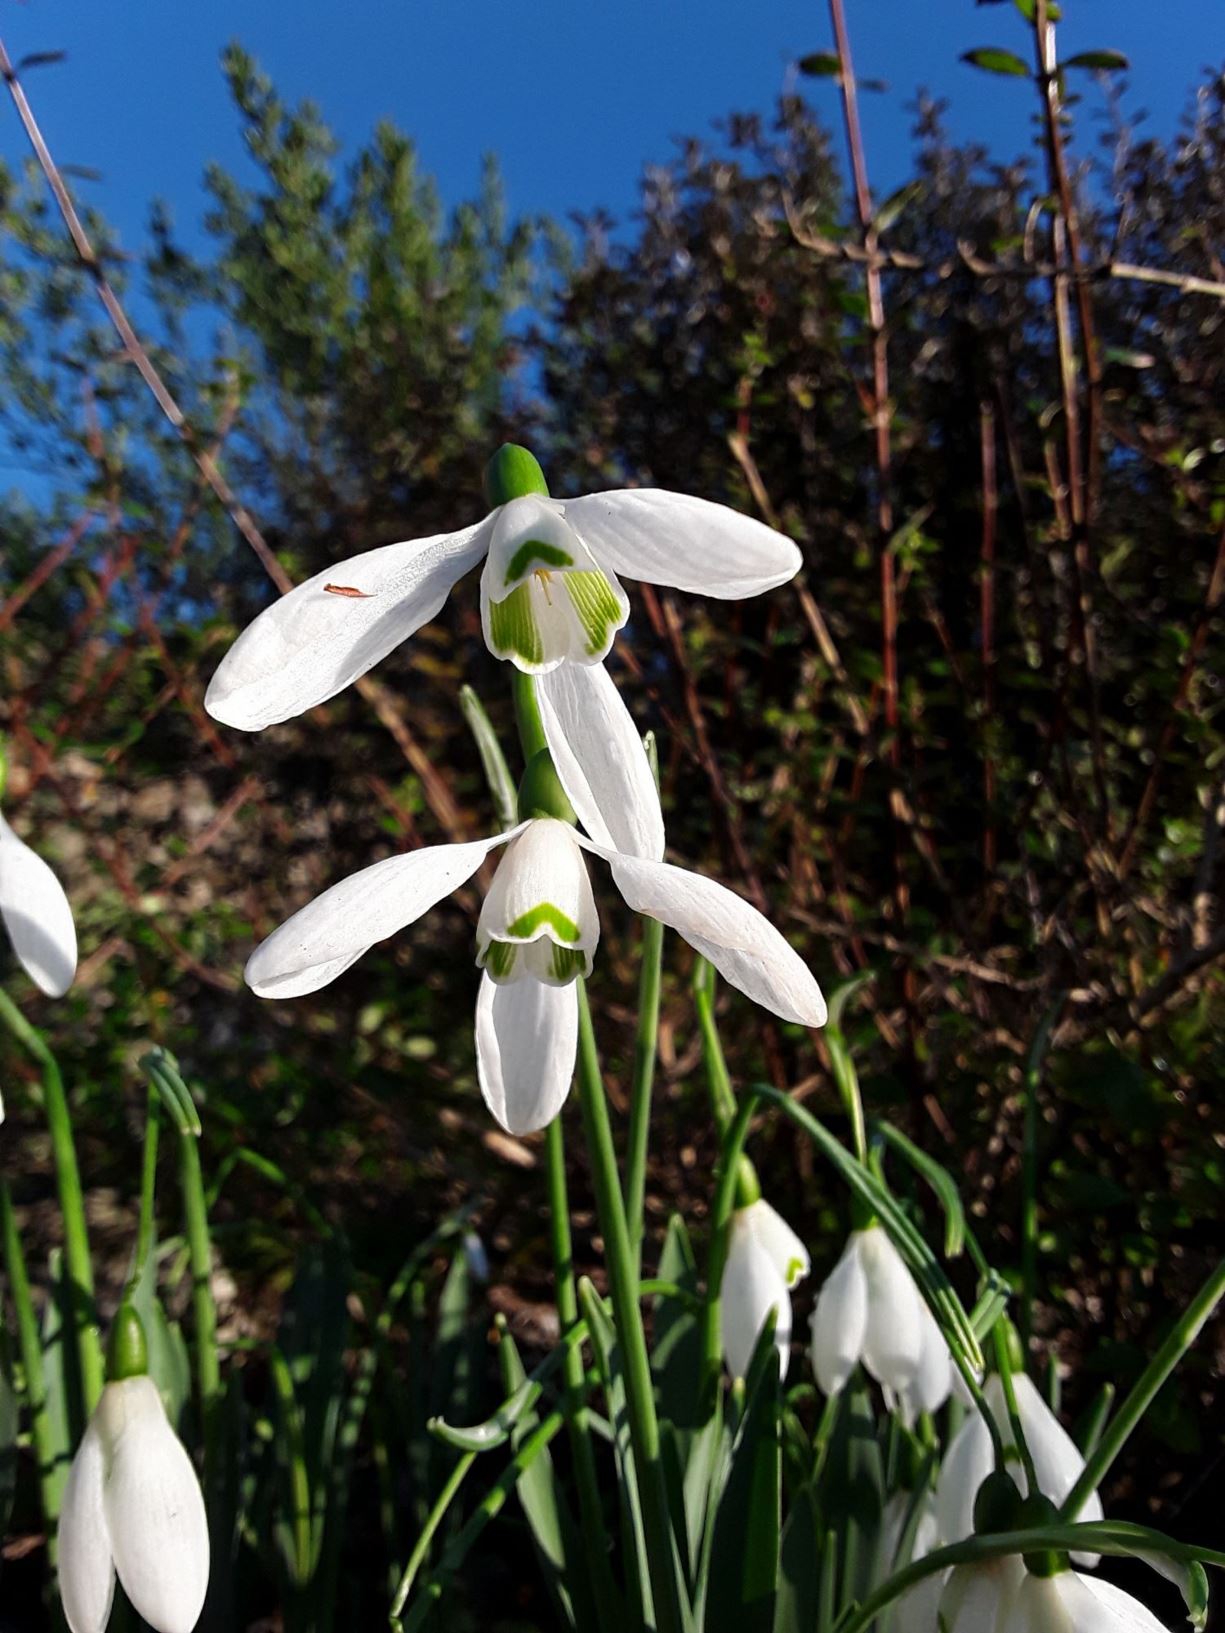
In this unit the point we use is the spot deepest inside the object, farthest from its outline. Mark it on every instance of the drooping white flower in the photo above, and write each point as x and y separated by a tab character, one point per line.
1071	1603
915	1610
978	1598
36	915
969	1459
132	1505
539	928
550	594
870	1310
765	1260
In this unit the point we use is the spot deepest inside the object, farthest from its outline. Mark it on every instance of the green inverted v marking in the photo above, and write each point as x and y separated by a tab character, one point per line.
528	923
535	550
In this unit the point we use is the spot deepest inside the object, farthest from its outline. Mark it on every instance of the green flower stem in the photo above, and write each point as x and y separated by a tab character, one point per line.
88	1348
847	1079
624	1288
489	1507
1029	1171
1186	1330
527	714
294	1444
204	1310
148	1185
597	1580
51	1475
646	1044
1004	1365
722	1095
724	1203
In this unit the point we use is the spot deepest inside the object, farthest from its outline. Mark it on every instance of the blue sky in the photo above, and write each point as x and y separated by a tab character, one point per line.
574	97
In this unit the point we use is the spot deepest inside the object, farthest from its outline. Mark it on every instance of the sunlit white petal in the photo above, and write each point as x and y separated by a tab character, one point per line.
314	642
743	946
893	1338
86	1570
526	1042
979	1598
690	544
36	915
967	1463
1058	1462
752	1287
1101	1607
154	1509
600	759
330	933
779	1240
840	1321
933	1380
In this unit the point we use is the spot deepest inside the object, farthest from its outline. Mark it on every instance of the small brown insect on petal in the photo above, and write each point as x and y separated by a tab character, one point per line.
347	589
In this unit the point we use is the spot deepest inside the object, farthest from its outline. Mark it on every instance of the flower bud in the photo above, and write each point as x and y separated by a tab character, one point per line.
512	473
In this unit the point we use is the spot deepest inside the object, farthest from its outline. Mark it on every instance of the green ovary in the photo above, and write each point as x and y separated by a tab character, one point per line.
595	602
526	925
513	629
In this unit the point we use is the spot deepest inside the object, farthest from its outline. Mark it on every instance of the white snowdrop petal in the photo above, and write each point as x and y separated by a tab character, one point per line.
1038	1607
893	1338
839	1321
526	1044
689	544
86	1571
751	1288
967	1463
36	915
333	931
600	759
314	642
1058	1462
789	1254
1100	1607
743	946
981	1598
933	1381
155	1514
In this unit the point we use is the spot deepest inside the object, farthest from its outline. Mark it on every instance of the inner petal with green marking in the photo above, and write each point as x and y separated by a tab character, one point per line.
539	917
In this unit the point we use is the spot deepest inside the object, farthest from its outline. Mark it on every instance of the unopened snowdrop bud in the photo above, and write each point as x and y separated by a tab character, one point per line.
1068	1602
970	1459
870	1310
132	1505
765	1260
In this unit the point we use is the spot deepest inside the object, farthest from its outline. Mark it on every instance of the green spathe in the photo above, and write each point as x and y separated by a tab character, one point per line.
127	1354
513	473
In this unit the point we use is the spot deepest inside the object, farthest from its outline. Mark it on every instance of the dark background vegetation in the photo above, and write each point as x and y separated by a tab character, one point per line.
1028	825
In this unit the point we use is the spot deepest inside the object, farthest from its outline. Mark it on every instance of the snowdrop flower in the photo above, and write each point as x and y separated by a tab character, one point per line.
36	915
1071	1603
870	1310
132	1505
969	1459
765	1260
550	594
538	928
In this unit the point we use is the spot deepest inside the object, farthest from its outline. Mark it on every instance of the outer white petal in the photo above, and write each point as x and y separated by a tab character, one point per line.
1038	1607
312	643
691	544
893	1341
1057	1460
327	935
600	759
154	1510
86	1572
840	1321
779	1240
933	1381
980	1598
526	1042
743	946
36	915
752	1286
967	1463
543	868
915	1610
1099	1607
